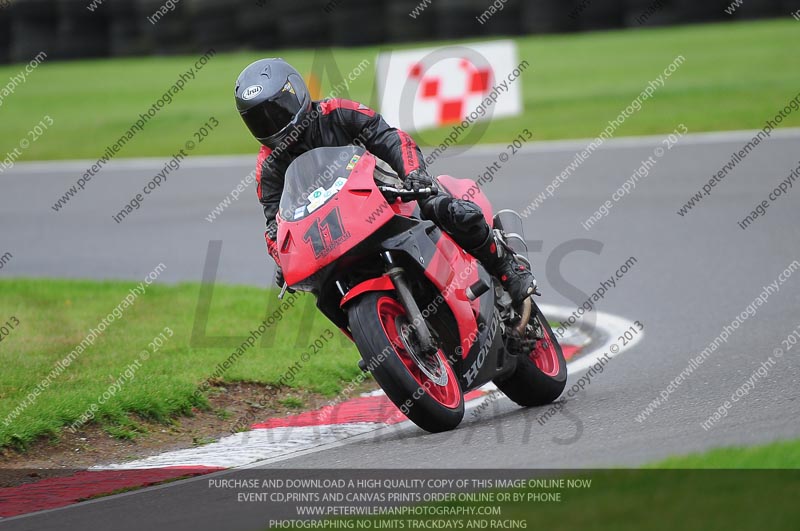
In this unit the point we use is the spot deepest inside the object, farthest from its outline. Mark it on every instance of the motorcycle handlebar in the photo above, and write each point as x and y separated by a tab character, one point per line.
391	193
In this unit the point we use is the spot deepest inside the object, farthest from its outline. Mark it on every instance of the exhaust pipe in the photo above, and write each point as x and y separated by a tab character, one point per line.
527	310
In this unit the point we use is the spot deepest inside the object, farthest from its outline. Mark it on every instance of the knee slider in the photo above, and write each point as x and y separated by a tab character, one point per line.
466	223
465	213
462	220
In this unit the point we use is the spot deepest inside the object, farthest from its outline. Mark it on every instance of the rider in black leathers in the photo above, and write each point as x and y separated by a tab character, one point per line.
276	106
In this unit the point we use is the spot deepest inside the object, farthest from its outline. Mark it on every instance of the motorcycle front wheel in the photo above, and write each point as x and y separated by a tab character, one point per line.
425	388
541	375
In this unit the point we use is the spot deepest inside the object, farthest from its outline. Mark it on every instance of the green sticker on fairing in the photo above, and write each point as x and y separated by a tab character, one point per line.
353	162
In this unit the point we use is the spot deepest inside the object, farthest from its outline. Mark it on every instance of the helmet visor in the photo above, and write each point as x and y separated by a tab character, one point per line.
273	115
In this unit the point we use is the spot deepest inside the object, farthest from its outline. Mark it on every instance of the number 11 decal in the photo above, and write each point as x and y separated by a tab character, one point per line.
325	235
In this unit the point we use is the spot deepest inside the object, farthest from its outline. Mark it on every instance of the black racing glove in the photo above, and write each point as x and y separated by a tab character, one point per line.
418	180
279	280
272	230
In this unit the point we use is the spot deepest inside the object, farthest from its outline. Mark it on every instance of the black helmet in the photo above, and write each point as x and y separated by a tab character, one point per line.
273	100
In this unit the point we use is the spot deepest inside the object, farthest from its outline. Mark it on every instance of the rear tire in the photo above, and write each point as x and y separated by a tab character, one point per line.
541	376
427	391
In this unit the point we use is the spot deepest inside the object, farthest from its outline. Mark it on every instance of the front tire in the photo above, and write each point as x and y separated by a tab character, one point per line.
541	376
426	390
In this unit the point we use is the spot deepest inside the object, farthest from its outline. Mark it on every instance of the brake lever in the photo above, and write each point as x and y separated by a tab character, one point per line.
428	192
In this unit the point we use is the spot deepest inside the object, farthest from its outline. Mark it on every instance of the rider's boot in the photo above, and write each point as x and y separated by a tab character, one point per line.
516	278
464	222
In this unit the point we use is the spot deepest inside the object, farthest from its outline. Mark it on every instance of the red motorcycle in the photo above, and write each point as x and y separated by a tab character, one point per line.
429	321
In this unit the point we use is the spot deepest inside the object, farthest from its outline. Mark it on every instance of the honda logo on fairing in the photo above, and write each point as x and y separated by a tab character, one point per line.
472	373
251	92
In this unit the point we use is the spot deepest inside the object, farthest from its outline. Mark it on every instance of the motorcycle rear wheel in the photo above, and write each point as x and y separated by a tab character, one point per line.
425	389
540	377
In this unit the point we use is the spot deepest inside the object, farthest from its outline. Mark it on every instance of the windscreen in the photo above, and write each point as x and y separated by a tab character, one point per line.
314	177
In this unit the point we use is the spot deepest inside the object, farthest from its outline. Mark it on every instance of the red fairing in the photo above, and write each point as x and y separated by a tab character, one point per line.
382	283
469	190
404	208
362	210
452	270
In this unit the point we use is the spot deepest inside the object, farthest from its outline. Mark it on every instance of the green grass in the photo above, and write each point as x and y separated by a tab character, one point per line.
55	316
670	499
679	493
736	75
779	455
726	488
292	402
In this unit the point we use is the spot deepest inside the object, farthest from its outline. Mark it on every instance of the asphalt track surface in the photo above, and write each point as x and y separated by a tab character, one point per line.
693	275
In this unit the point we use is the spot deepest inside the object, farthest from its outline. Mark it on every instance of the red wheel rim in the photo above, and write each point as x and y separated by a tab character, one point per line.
392	316
545	355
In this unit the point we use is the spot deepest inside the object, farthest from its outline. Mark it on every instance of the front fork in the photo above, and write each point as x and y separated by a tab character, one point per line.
418	324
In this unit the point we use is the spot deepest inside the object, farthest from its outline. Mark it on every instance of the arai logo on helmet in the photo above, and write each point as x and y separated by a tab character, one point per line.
251	92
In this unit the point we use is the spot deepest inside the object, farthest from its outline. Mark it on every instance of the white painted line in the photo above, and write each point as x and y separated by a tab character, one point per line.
574	336
713	137
263	446
612	325
147	163
545	146
244	448
609	323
